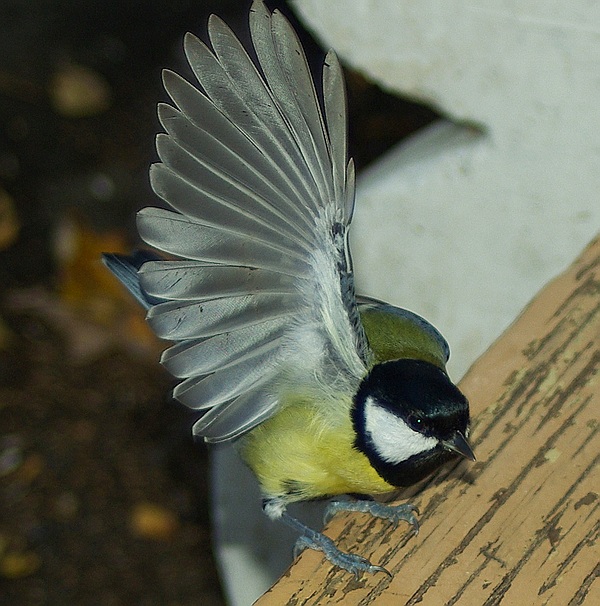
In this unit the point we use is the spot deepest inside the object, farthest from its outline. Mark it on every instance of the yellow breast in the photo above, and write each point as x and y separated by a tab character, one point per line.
306	451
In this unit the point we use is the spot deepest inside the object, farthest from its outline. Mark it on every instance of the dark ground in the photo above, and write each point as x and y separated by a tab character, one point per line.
103	494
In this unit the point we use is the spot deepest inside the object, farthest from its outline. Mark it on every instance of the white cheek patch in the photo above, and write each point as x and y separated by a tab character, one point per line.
391	437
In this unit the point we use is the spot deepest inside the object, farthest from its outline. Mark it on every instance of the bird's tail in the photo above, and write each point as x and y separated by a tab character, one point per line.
125	268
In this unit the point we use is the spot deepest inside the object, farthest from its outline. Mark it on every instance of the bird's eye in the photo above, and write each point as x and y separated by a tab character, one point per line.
415	422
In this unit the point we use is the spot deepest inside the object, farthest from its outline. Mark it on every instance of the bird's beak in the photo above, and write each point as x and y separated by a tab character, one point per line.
458	444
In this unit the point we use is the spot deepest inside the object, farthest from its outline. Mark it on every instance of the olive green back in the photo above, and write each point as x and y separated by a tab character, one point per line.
395	333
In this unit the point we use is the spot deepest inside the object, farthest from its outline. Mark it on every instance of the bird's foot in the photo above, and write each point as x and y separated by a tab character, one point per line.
393	513
350	562
316	540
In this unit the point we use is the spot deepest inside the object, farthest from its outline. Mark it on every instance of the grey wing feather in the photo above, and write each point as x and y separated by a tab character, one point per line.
195	280
286	71
259	181
257	175
241	93
181	236
219	187
334	99
195	357
254	368
177	320
232	419
202	119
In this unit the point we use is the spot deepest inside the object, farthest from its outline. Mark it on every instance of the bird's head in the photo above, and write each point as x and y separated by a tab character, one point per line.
409	418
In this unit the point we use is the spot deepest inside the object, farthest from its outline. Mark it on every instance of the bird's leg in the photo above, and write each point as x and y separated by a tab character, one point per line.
394	513
275	509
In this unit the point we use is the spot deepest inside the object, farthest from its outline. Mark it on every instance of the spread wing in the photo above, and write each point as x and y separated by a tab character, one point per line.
255	169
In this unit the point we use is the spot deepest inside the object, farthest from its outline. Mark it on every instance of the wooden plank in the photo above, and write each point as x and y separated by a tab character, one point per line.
519	526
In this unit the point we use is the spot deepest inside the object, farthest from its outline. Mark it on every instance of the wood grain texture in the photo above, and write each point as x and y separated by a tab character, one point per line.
520	525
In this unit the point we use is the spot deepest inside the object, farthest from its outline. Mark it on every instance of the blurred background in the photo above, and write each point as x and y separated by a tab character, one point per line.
103	494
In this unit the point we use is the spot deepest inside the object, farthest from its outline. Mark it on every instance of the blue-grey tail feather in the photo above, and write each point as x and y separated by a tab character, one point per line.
125	268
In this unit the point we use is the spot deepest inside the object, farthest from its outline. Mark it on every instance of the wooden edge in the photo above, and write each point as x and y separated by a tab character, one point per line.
519	525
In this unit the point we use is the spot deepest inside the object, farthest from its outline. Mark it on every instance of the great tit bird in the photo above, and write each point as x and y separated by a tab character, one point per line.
326	393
